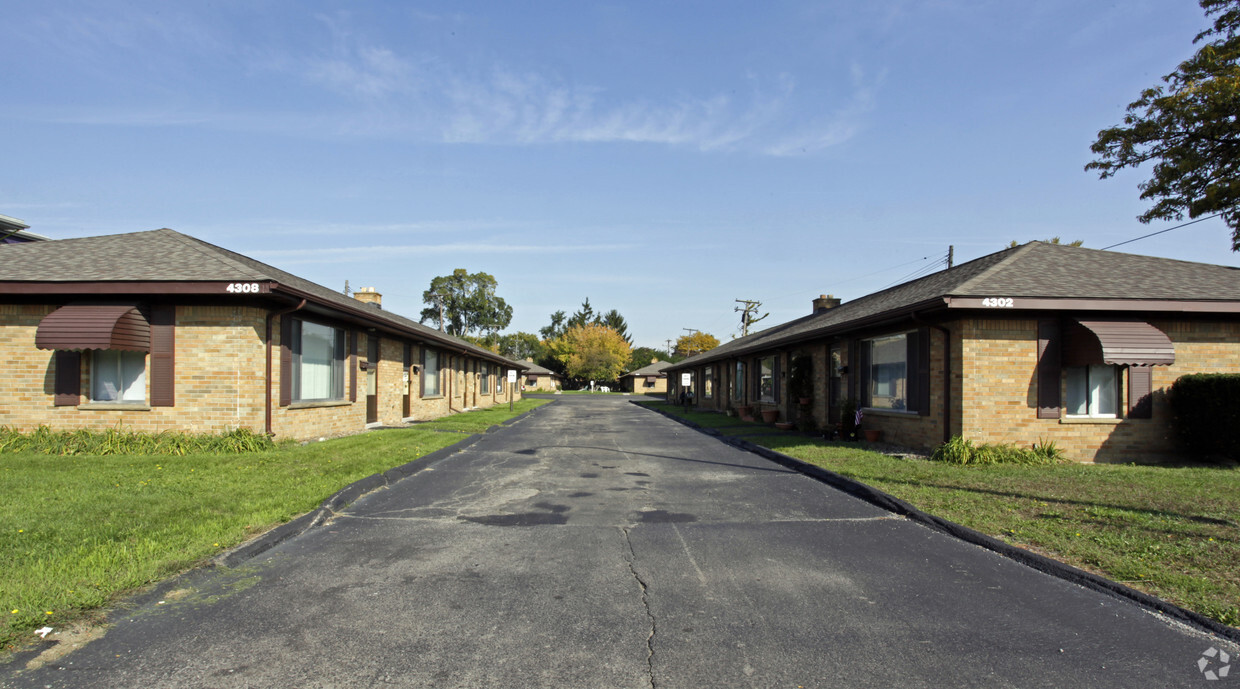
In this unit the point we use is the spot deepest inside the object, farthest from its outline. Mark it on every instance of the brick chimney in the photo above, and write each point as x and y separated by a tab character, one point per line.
824	303
369	295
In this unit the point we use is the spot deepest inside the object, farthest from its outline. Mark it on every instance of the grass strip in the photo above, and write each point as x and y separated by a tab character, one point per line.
1168	531
79	531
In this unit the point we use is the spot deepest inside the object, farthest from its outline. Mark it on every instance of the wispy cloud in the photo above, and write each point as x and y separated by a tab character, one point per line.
368	253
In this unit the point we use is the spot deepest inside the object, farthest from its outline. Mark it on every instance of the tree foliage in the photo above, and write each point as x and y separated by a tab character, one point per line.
1189	129
520	346
591	352
1052	240
695	343
468	304
641	357
612	319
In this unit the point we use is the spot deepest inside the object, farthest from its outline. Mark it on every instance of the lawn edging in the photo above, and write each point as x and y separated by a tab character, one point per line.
1028	558
348	495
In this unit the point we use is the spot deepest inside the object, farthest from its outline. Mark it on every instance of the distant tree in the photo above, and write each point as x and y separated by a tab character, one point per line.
1190	131
612	319
583	316
556	328
695	343
464	303
591	352
644	356
520	346
1052	240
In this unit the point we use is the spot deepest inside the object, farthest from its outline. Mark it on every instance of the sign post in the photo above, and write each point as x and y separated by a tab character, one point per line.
512	386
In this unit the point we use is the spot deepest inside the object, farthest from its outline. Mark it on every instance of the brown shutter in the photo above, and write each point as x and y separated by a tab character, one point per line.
163	355
286	360
352	364
68	378
1048	369
919	371
1140	389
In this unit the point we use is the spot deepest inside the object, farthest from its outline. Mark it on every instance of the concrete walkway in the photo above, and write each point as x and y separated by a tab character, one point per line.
596	544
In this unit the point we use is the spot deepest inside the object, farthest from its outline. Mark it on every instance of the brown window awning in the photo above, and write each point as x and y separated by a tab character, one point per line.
94	326
651	379
1122	342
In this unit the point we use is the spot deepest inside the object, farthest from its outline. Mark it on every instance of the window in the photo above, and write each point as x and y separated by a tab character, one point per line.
318	362
430	373
766	379
118	376
484	379
708	382
1092	391
738	383
887	374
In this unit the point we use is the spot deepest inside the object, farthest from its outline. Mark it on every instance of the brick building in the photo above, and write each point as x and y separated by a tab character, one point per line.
158	330
540	378
1034	343
647	380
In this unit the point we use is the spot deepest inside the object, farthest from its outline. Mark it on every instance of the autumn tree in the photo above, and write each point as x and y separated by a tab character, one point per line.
464	303
591	352
695	343
1189	129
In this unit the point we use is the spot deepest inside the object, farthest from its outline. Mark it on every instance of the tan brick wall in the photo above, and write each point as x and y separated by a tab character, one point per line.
999	402
220	381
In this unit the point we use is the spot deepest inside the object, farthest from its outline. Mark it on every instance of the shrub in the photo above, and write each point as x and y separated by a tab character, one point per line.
959	450
115	441
1205	411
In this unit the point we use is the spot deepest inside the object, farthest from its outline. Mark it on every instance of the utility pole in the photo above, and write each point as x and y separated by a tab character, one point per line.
751	307
669	348
689	351
951	255
347	292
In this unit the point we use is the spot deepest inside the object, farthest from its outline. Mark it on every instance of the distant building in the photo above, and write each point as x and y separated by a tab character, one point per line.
14	231
647	380
540	378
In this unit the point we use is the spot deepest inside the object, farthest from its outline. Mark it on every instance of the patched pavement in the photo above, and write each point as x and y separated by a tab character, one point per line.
596	544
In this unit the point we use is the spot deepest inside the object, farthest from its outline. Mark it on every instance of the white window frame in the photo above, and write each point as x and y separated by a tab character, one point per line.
1093	388
118	376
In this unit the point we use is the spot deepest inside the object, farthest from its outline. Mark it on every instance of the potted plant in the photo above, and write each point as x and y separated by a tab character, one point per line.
770	415
801	379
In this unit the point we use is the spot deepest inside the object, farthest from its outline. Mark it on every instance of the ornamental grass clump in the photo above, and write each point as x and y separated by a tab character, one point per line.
115	441
962	451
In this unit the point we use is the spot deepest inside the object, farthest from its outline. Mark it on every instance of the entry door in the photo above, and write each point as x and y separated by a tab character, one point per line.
372	383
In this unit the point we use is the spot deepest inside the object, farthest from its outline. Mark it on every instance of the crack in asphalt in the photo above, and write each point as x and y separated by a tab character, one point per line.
646	605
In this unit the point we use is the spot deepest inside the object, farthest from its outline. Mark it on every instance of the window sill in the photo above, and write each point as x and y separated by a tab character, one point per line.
432	397
1099	420
319	404
115	406
895	413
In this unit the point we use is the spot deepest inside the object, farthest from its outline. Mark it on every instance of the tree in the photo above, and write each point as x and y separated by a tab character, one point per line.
641	357
695	343
556	328
520	346
591	352
464	303
1190	130
612	319
1052	240
583	315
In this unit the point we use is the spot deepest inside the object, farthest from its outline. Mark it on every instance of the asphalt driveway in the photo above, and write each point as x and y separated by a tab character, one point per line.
597	544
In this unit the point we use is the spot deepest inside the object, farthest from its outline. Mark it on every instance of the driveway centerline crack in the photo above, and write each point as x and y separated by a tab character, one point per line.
645	604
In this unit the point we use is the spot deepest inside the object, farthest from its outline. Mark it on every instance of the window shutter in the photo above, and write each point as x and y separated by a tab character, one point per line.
919	371
1140	392
286	360
863	372
1048	369
68	378
352	363
163	355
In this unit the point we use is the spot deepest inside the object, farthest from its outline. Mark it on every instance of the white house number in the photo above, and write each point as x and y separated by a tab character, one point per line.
999	302
242	287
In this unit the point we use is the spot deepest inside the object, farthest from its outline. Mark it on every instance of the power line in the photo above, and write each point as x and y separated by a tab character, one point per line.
1191	222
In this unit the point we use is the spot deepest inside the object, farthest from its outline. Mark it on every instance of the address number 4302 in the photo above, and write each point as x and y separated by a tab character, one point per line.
999	302
242	287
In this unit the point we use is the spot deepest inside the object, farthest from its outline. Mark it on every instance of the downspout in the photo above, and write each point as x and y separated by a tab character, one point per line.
271	317
947	374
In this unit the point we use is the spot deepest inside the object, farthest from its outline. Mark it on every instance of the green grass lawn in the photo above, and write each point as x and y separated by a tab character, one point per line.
1168	531
80	531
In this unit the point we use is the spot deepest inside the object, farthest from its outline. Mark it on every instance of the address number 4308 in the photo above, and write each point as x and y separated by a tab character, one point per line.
242	287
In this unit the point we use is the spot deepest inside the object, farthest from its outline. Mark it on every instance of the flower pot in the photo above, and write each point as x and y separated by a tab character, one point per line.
785	425
770	415
744	411
872	435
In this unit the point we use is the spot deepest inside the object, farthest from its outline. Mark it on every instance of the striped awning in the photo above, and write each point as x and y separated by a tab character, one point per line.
95	326
1131	342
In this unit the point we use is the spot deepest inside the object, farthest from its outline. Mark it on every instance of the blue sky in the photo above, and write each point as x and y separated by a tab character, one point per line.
662	159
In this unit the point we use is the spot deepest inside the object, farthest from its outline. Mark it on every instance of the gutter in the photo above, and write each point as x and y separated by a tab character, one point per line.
271	317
